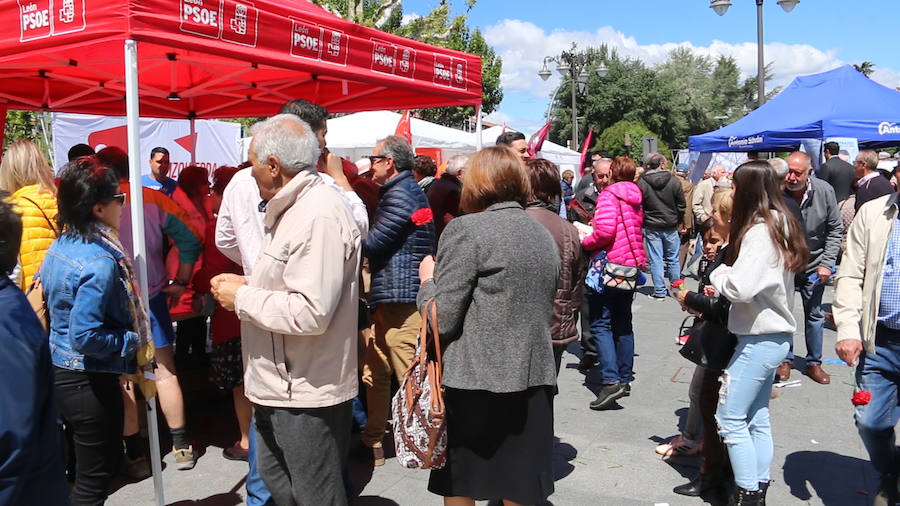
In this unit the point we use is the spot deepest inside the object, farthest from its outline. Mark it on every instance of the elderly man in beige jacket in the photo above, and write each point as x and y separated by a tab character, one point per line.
298	314
867	316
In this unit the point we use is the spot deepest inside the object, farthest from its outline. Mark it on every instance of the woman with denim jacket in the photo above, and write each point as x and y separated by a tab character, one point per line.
97	321
766	249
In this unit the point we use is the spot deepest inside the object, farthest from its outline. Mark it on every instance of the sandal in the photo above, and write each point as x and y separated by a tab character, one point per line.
679	447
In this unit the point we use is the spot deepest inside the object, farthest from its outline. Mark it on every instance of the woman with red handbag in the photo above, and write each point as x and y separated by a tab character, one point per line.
494	285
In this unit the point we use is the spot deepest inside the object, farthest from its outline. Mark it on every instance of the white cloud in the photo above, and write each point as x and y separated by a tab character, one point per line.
523	45
408	18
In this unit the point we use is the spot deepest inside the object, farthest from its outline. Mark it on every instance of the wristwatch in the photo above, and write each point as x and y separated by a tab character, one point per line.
176	282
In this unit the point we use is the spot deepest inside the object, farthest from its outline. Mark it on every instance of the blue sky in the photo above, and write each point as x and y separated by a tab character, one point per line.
818	35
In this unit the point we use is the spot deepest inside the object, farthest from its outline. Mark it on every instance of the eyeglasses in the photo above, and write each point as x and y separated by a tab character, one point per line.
374	158
119	197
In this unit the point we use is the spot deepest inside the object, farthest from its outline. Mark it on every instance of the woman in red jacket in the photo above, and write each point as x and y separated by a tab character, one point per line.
226	365
618	221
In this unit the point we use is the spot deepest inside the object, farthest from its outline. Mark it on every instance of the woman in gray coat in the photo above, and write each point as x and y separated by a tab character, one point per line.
494	283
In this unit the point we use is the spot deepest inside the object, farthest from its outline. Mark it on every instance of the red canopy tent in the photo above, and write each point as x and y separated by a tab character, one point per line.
212	59
218	58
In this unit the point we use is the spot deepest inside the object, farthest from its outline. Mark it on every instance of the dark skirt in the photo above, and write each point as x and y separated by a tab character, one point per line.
499	446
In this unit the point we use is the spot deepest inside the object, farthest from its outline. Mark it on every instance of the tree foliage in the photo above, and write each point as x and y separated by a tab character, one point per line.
626	138
865	68
29	125
688	94
439	28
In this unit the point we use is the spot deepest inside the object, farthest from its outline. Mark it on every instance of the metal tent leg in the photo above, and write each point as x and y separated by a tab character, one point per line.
137	228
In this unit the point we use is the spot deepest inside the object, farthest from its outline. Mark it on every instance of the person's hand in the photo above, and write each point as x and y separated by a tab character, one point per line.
426	269
680	295
332	165
709	291
824	273
225	287
174	292
849	350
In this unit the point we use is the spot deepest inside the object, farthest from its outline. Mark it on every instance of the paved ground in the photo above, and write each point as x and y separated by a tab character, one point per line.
602	458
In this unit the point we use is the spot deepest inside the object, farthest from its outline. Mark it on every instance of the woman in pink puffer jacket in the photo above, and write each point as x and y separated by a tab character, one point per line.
618	221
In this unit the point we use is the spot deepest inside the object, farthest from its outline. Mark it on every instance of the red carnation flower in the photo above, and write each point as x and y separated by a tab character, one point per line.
861	398
422	216
678	284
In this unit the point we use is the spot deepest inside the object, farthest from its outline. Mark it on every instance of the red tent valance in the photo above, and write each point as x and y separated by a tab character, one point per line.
218	58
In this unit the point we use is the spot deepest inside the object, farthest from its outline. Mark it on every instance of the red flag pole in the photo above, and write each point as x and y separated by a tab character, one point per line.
403	127
584	148
537	139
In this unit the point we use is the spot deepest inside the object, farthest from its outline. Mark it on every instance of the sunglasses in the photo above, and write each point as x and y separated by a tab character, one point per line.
374	158
119	197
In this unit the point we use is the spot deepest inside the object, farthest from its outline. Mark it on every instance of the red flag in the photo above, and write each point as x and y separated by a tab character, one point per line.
403	129
584	148
537	139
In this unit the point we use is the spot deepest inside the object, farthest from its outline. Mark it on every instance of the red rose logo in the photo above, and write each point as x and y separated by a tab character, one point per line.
422	216
861	398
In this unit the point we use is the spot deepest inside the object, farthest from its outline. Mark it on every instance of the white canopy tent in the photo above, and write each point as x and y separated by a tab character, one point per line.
563	157
354	135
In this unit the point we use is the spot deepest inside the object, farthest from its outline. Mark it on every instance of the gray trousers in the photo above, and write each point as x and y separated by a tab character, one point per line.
301	453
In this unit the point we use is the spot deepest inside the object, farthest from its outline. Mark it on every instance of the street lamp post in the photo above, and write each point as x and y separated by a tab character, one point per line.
568	64
721	6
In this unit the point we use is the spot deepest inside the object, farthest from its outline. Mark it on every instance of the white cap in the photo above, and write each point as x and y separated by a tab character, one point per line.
884	155
363	165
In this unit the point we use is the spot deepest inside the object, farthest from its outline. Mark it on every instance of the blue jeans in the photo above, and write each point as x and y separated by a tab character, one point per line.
879	373
257	493
611	325
743	411
662	247
815	322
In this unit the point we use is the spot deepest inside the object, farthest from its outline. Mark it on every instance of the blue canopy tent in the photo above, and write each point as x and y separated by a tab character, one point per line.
838	103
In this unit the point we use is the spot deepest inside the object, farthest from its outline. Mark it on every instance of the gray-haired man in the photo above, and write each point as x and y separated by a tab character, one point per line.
298	312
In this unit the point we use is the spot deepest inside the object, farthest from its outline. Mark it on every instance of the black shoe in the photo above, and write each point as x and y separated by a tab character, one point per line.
699	485
887	494
743	497
608	394
587	363
627	389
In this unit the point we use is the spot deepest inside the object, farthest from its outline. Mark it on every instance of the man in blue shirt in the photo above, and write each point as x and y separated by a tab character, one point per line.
158	178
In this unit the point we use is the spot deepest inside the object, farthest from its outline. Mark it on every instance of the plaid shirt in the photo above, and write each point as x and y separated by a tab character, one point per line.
889	305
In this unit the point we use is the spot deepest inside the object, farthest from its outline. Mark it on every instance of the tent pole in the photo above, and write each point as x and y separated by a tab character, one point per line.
137	232
193	142
478	127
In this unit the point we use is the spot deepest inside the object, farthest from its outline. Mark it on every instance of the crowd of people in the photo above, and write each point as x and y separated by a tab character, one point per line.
311	273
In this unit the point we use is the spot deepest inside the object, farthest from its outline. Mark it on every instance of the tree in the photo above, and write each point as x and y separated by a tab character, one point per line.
438	28
626	138
630	91
27	125
865	68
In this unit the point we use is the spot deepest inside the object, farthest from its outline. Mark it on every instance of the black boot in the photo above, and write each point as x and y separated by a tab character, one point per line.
763	487
699	485
744	497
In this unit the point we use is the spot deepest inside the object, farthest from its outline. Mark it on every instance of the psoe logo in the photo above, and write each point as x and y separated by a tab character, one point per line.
885	128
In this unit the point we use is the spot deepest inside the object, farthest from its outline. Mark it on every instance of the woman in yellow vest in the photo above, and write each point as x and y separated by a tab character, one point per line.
25	173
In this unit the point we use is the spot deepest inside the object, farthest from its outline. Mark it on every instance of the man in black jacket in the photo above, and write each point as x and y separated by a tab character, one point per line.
664	208
836	172
871	183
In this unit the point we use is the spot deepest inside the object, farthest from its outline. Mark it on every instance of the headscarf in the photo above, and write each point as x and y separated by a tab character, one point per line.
146	364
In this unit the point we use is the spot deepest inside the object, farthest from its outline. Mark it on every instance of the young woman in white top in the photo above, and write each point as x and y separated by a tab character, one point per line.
767	249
